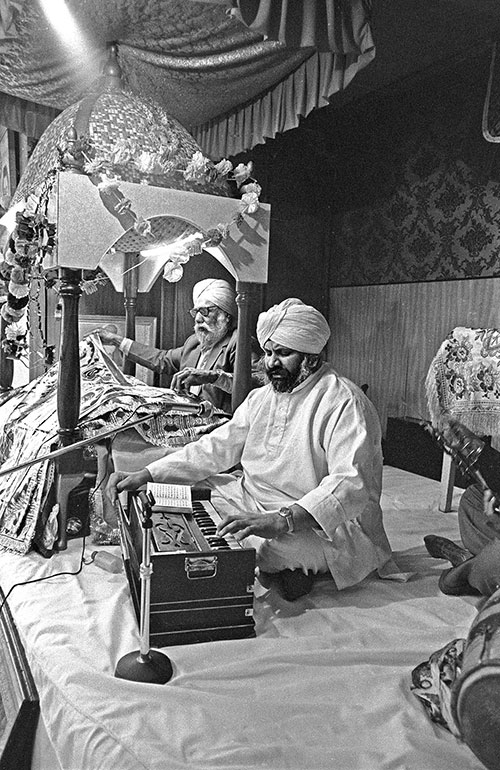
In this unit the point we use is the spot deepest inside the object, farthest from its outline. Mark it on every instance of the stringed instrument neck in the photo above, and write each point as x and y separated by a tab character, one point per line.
465	454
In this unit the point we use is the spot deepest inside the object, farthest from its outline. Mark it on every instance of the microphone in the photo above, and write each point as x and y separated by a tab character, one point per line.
201	408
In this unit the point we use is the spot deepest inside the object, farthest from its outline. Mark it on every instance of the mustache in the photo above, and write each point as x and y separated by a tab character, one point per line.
271	370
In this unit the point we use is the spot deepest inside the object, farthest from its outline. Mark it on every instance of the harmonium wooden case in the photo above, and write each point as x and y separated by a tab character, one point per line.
201	586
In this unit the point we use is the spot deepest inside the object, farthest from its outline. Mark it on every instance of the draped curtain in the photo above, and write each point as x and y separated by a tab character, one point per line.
491	110
233	73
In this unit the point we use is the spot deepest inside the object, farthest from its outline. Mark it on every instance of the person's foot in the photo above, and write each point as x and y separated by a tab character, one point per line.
294	583
455	582
443	548
290	583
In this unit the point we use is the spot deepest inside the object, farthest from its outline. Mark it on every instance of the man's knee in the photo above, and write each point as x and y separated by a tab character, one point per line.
472	521
484	572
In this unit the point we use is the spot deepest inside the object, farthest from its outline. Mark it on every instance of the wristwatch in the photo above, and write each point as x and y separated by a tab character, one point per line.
288	515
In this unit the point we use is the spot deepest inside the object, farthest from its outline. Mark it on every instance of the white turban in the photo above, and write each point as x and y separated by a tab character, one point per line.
217	292
295	325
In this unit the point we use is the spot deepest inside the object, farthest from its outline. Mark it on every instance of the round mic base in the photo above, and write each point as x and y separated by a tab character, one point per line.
152	668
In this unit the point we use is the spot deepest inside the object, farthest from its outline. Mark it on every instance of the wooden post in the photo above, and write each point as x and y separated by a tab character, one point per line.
447	483
68	389
69	467
242	369
6	364
130	284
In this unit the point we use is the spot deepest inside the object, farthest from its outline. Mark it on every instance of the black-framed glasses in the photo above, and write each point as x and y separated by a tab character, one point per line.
204	311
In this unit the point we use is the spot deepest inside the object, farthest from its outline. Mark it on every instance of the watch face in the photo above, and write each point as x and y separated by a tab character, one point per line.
287	514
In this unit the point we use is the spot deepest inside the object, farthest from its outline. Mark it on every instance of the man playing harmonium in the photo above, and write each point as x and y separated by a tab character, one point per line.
309	447
204	364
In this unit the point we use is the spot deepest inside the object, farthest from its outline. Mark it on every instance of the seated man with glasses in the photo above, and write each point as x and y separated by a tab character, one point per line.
204	364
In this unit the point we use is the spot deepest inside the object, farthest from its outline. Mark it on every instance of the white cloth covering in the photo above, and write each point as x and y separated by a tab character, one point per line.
324	686
319	446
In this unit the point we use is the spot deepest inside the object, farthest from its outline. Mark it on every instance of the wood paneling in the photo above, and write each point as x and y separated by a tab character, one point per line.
386	336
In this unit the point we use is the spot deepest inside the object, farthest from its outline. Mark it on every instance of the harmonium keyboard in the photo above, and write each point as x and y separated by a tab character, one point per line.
201	585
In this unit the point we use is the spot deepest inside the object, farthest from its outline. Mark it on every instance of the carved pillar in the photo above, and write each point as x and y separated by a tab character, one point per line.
242	369
68	390
6	364
69	467
130	284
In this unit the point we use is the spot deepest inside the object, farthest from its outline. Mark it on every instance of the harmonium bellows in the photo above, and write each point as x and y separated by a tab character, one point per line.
201	585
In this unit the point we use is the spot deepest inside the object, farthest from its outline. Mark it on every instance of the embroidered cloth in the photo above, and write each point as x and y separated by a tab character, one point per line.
29	429
433	682
464	380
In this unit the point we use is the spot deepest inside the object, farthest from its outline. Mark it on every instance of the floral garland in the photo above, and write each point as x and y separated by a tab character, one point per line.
34	236
32	240
198	170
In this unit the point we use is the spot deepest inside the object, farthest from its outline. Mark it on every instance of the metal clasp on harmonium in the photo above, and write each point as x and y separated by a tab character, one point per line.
200	567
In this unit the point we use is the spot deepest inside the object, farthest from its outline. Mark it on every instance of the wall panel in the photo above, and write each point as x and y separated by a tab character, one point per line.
386	336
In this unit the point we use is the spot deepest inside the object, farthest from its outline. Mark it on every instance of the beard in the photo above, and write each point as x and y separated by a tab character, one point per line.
210	333
284	381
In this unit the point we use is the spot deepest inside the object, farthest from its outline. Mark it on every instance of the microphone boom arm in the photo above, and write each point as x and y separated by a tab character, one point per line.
197	409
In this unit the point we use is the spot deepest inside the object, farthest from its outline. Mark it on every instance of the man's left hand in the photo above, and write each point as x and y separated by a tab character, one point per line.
491	511
189	376
267	525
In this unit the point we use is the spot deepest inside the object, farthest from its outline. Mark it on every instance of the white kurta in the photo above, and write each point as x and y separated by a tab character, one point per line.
319	446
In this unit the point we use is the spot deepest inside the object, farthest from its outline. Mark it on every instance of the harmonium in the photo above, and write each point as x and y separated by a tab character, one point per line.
201	585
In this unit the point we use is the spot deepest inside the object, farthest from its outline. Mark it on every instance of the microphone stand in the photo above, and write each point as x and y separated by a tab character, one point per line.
145	665
200	409
203	408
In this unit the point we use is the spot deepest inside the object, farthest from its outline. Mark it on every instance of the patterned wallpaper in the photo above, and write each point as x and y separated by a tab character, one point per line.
426	199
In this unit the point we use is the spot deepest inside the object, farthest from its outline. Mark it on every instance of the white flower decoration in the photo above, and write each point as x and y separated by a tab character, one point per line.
146	162
196	170
172	272
242	172
250	203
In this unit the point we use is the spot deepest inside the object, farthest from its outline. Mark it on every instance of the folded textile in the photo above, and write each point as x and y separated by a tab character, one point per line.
433	680
29	429
464	380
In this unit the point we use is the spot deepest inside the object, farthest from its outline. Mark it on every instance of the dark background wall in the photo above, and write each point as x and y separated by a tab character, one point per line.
399	187
418	185
291	170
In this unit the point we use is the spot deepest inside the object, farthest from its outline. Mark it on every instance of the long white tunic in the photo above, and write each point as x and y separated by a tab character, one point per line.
319	446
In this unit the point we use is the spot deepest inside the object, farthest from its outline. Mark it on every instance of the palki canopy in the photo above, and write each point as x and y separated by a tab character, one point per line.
93	231
233	71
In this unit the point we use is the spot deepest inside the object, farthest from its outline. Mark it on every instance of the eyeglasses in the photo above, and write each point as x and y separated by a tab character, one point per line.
204	311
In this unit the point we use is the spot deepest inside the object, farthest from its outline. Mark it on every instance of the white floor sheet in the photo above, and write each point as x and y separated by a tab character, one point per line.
325	685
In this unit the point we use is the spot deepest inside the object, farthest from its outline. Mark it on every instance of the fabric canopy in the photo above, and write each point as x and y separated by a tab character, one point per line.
232	73
491	110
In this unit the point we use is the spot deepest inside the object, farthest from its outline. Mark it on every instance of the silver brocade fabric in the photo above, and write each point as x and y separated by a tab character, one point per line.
29	429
